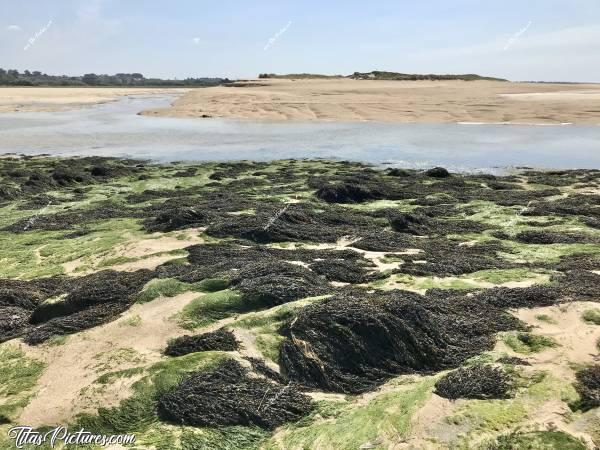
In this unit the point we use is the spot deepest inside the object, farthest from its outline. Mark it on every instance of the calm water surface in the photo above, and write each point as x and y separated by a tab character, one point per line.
115	129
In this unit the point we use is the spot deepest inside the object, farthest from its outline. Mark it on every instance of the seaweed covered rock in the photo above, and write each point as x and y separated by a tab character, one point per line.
571	205
220	340
101	171
347	193
549	237
259	366
528	297
593	222
89	301
410	223
429	221
386	241
291	223
101	288
579	285
14	322
267	284
483	382
28	294
458	264
8	192
19	298
177	219
183	208
437	172
75	218
223	259
36	177
442	257
352	343
344	271
588	387
397	172
67	176
82	320
579	261
227	395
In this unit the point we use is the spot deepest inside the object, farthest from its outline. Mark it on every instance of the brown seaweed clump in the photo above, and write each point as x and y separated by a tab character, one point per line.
483	382
548	237
588	387
347	193
437	172
528	297
90	301
220	340
19	298
344	271
578	285
291	223
267	284
351	343
227	395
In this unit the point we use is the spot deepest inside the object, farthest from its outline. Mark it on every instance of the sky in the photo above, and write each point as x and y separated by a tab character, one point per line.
543	40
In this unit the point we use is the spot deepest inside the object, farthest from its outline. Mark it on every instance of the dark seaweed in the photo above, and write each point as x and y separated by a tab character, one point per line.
226	396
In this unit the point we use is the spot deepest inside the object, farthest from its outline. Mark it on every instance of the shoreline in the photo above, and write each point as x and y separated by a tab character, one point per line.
56	99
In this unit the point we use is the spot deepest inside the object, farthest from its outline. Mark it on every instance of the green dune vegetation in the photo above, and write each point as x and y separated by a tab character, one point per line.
300	304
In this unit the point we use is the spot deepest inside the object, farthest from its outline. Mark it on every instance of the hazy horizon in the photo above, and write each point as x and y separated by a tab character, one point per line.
541	41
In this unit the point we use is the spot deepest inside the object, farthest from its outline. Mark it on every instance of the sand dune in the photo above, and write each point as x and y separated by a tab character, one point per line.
393	101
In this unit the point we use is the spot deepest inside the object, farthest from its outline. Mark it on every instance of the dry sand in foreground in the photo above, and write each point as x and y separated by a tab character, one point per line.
20	99
393	101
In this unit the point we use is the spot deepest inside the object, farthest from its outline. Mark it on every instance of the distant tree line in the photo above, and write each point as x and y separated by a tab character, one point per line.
379	75
297	75
13	77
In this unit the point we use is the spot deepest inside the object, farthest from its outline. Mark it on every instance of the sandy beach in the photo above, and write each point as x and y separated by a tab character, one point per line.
344	99
35	99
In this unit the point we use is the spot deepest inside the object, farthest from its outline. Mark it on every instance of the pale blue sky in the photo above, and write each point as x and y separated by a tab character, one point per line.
551	39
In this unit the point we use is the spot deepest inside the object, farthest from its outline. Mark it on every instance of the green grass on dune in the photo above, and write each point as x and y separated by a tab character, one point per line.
226	438
348	425
537	440
544	253
592	316
546	318
219	305
264	325
18	376
43	253
170	287
209	308
464	282
527	343
497	418
137	413
164	287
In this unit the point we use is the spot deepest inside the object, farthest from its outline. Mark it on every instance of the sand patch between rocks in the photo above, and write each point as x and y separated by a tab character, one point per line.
70	366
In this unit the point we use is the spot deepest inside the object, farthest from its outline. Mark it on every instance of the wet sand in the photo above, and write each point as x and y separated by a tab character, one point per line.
49	99
343	99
